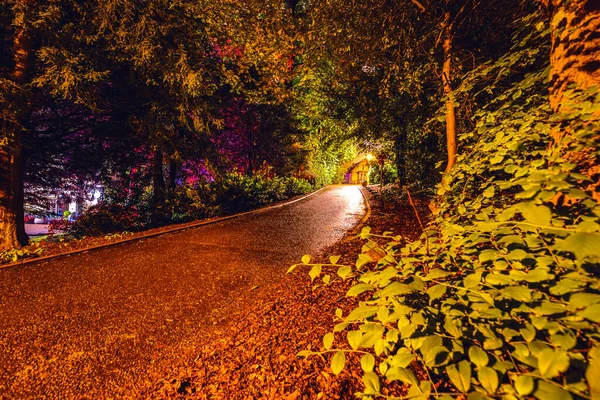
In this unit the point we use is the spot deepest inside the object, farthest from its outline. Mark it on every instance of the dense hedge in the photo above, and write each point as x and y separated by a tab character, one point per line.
229	194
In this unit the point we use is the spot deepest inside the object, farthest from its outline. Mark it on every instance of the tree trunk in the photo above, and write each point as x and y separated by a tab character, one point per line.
575	64
575	55
250	156
158	188
12	224
173	167
12	227
400	147
447	84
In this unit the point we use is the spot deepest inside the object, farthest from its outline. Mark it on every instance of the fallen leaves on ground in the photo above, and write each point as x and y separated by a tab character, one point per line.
254	354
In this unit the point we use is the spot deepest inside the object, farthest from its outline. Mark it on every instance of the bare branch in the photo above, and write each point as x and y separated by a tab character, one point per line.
418	4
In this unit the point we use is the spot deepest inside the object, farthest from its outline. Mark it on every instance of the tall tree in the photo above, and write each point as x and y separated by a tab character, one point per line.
12	228
575	65
575	55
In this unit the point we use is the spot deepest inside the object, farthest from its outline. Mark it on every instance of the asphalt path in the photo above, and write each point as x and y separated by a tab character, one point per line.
87	325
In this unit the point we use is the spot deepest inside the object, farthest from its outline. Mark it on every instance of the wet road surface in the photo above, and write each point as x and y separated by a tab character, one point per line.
90	324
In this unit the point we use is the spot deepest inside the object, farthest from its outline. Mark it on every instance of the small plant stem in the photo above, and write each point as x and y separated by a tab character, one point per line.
412	204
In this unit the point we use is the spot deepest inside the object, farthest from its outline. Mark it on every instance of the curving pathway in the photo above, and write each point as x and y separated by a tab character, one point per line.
86	326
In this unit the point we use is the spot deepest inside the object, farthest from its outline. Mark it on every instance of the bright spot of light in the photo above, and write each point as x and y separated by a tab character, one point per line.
354	198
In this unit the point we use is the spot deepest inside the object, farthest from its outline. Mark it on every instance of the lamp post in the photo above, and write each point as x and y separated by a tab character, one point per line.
381	160
370	158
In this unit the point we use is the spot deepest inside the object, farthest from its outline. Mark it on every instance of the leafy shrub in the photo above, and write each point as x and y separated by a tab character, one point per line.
14	255
105	218
295	186
390	173
236	193
188	204
391	194
59	225
500	297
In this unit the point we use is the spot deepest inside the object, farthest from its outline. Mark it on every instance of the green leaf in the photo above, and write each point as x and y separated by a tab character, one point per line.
436	356
592	373
528	332
306	258
498	279
429	342
582	300
472	280
517	94
338	361
565	286
395	289
539	274
489	192
548	308
492	343
358	289
509	333
435	292
537	215
436	273
364	233
517	255
592	313
407	331
371	382
486	297
550	391
314	272
405	375
480	396
362	313
401	360
582	244
453	327
565	342
334	259
461	376
488	379
362	260
343	272
341	326
354	339
478	356
524	385
552	363
519	293
328	340
367	362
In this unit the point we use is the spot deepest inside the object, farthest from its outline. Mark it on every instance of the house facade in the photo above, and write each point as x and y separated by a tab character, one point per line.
358	171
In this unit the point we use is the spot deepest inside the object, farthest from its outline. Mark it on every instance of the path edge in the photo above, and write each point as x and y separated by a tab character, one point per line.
175	229
365	218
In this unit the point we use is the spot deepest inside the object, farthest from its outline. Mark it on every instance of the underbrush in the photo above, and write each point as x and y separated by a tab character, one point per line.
500	296
236	193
